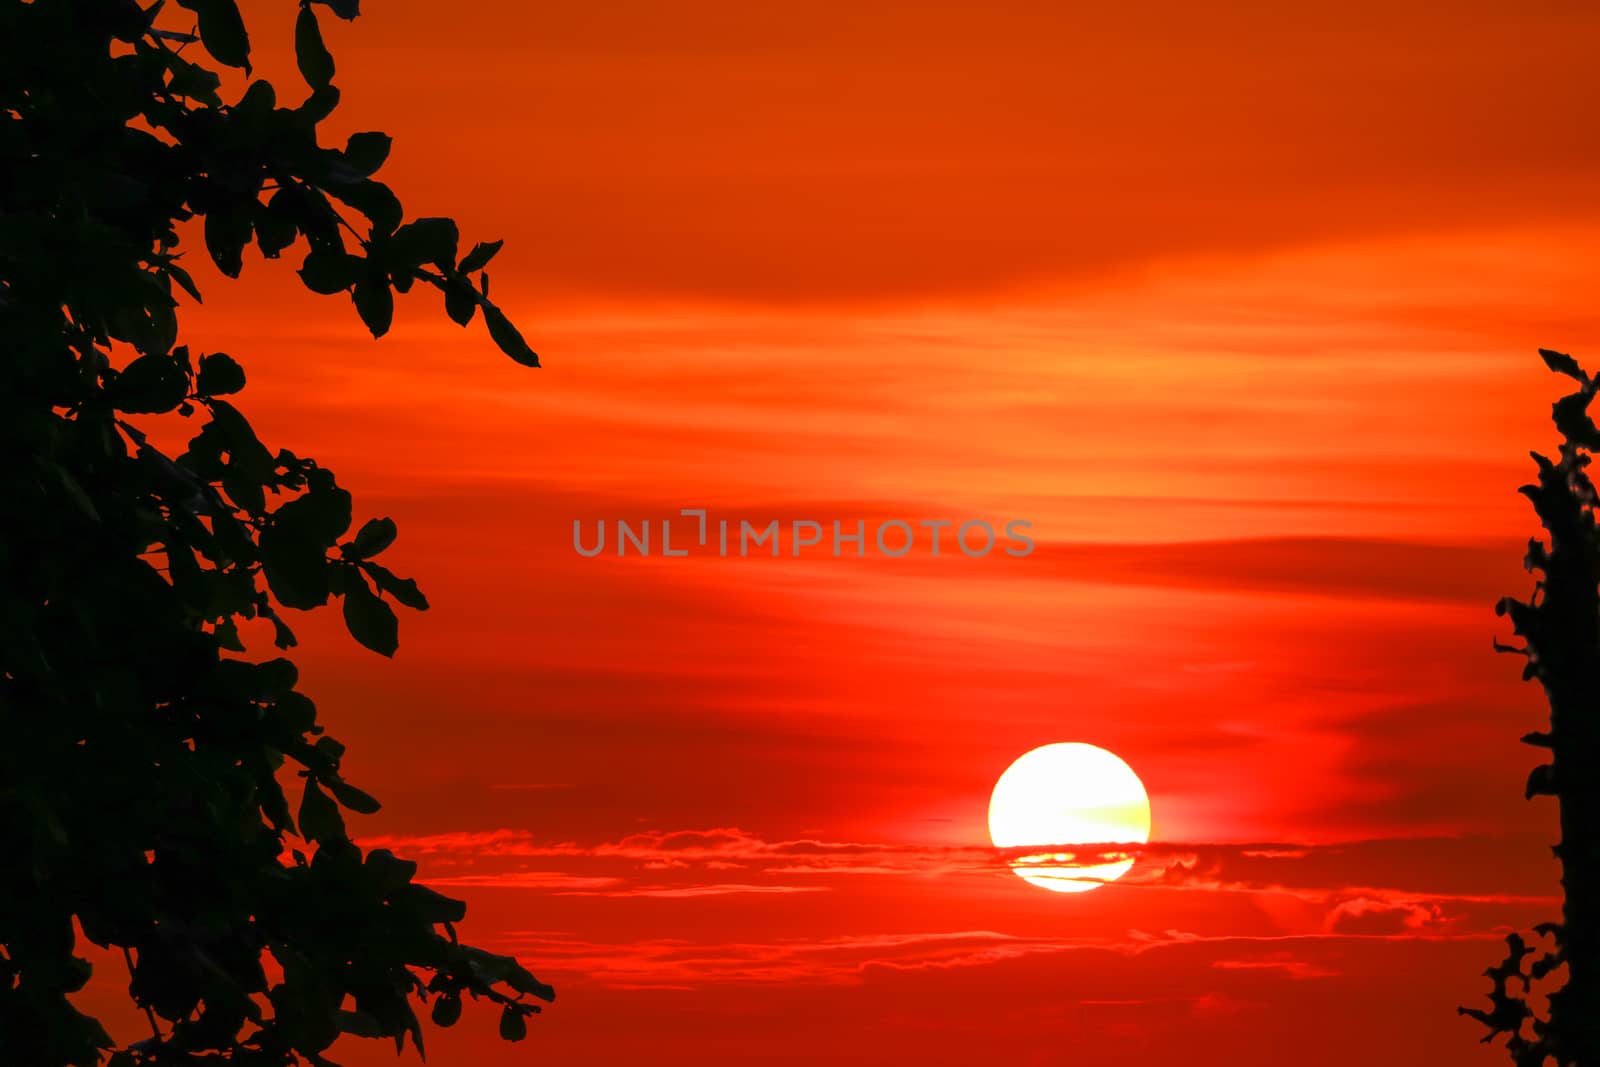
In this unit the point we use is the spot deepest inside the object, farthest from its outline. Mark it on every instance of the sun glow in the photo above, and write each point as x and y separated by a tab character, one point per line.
1069	794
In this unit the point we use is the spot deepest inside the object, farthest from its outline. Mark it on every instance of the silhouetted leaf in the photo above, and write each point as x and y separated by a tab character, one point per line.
1572	419
294	544
513	1027
1545	964
274	805
374	200
320	820
365	152
326	271
355	799
460	302
275	224
507	336
430	240
1562	363
446	1009
222	31
191	81
257	102
227	231
227	634
479	257
519	979
296	573
375	304
374	536
402	589
311	55
149	385
219	375
321	515
319	105
389	873
369	619
330	748
184	280
282	636
435	907
345	9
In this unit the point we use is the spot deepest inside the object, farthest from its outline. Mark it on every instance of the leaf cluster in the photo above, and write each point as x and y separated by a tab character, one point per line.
162	793
1559	625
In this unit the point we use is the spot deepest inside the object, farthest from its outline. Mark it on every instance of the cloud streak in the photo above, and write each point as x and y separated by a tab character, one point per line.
853	959
1329	890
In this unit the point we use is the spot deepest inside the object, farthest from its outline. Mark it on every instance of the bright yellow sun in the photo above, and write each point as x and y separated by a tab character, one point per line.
1069	794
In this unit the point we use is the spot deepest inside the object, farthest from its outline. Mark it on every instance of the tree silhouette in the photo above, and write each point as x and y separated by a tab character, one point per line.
1560	628
142	755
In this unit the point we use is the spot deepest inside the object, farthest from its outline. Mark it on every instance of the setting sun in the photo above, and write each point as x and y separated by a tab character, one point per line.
1069	794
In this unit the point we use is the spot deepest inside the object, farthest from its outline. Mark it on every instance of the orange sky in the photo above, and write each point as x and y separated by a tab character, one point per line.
1238	307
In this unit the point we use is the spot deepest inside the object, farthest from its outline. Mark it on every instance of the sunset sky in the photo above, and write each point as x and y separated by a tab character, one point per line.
1237	305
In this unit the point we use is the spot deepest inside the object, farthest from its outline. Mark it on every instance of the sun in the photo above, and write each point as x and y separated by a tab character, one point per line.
1067	794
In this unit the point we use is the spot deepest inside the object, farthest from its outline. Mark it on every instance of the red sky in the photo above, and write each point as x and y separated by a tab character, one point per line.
1238	307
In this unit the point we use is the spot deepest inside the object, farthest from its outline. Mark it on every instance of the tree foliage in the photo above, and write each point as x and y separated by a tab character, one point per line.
144	753
1560	628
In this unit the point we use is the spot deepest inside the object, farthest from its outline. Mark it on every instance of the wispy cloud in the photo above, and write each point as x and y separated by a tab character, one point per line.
565	885
1342	867
1279	962
852	959
1328	891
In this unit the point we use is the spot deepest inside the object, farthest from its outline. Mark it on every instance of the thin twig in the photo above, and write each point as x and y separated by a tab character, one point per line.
148	1013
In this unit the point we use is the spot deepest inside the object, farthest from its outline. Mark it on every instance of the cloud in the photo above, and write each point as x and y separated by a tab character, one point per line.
846	959
1284	134
1316	897
858	958
1220	1005
686	891
1311	890
1332	566
1384	916
1278	962
553	881
1305	869
719	845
